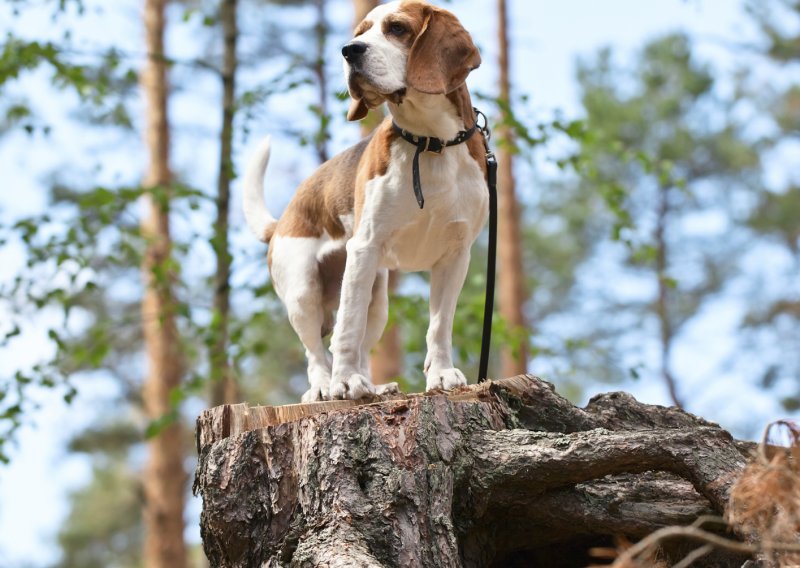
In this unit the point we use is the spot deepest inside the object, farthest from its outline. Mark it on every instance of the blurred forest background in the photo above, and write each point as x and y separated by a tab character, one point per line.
650	241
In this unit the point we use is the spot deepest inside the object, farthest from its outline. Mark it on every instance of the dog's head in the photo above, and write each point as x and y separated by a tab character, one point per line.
406	44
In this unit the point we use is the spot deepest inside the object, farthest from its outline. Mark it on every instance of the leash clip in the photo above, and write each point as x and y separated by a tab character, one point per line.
484	128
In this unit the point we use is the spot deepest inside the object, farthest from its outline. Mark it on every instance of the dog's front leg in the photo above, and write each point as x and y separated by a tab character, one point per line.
447	279
351	320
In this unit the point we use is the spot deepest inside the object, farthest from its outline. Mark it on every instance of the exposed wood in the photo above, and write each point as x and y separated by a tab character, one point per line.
164	479
502	472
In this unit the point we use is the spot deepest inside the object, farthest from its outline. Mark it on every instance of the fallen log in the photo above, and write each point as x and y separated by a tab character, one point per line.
505	473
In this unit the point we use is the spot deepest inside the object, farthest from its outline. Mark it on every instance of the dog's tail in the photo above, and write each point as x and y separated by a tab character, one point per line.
258	217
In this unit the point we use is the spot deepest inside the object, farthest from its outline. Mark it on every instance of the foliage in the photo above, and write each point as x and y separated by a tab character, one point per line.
771	326
663	152
657	132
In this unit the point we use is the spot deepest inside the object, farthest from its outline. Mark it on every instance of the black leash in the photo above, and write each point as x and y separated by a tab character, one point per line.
491	253
437	146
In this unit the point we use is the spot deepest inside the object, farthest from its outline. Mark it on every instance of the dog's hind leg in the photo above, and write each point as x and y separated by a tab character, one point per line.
307	317
296	277
377	316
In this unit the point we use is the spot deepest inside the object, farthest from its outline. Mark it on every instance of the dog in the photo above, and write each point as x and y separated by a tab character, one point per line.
360	214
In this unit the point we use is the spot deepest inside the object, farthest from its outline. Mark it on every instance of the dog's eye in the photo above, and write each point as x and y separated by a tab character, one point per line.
397	29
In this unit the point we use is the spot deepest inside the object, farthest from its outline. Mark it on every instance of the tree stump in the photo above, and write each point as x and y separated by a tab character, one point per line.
505	473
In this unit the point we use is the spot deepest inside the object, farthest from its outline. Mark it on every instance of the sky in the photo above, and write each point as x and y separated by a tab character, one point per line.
547	37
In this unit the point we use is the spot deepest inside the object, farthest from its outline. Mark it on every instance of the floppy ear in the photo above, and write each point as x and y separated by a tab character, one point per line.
442	54
358	109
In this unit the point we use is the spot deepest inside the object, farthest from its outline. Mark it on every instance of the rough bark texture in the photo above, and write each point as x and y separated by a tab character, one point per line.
511	275
164	478
506	473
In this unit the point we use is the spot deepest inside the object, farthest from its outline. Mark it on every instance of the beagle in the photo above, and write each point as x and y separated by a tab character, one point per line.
361	213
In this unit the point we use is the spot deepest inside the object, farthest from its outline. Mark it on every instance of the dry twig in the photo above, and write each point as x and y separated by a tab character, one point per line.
764	509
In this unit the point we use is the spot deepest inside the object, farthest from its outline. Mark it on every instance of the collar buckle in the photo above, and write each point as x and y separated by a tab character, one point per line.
434	146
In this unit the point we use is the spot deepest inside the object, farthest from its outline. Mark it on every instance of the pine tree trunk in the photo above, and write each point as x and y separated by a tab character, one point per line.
318	68
164	478
511	273
505	473
223	384
386	360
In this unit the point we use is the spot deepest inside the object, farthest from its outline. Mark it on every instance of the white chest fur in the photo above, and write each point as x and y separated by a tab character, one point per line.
456	206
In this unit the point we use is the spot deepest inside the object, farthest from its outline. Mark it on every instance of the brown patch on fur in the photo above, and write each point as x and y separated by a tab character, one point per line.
363	27
476	145
477	150
358	109
443	53
463	103
331	271
324	197
336	188
412	15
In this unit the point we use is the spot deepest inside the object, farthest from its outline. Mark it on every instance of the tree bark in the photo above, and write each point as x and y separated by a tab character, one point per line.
511	274
223	384
497	474
164	478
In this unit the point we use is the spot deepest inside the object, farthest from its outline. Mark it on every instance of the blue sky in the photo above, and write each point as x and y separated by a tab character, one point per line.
547	37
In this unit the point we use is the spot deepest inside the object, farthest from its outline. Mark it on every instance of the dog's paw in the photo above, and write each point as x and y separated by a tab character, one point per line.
445	379
388	388
315	394
351	387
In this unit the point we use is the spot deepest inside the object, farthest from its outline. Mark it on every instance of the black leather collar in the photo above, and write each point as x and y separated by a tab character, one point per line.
429	144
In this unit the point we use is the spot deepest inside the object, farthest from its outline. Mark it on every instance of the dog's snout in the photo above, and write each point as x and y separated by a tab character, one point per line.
353	51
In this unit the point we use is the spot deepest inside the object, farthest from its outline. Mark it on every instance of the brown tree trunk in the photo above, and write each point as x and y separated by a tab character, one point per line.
386	360
318	68
497	474
164	478
223	383
511	273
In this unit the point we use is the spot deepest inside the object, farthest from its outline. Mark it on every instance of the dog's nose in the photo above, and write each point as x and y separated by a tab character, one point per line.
354	50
